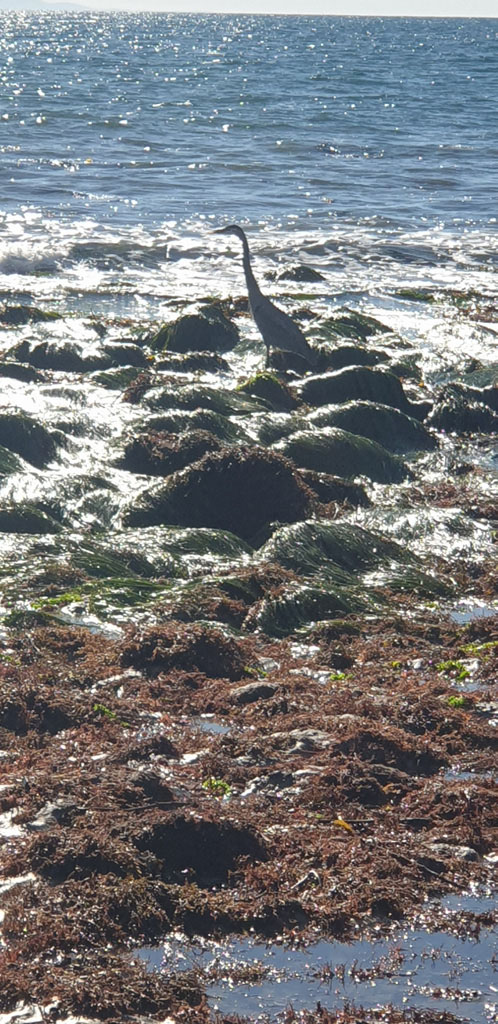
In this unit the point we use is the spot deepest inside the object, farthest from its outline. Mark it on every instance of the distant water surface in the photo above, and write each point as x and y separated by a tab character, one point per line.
365	146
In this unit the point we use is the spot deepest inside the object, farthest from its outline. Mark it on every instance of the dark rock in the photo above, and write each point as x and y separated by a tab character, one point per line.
17	316
26	518
207	331
301	741
252	692
359	383
184	647
162	453
349	323
29	439
20	371
351	355
207	849
462	409
299	604
330	450
190	362
238	489
381	423
122	353
301	273
331	488
268	387
9	463
64	356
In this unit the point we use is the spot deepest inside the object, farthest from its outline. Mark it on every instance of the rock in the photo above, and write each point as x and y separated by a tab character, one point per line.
62	811
190	362
358	383
335	451
314	547
301	741
64	356
28	438
332	488
238	489
462	409
252	692
384	424
349	323
201	396
449	850
208	850
20	371
123	353
162	453
301	273
207	331
270	784
351	355
9	463
25	518
184	647
268	387
300	604
17	316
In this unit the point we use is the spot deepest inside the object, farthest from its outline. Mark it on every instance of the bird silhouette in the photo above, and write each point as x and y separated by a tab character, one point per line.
277	329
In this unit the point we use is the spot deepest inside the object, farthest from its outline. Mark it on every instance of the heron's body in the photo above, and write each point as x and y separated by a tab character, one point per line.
277	329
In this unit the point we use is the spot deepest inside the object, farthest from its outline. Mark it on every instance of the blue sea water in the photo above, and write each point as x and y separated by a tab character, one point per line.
365	146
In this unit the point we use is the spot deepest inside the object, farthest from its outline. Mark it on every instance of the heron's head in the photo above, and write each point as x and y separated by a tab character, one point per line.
231	229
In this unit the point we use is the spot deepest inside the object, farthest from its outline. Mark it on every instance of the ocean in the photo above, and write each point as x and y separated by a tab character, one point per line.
366	147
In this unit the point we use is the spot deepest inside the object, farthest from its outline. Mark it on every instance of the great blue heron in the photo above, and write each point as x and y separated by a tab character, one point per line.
278	330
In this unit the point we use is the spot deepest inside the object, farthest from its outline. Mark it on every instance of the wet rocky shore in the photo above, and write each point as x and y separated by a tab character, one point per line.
248	641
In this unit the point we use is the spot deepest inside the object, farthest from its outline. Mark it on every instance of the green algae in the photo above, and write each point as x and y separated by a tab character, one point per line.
267	387
389	427
336	451
301	604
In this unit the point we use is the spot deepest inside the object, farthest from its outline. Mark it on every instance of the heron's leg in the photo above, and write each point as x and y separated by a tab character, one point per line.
267	363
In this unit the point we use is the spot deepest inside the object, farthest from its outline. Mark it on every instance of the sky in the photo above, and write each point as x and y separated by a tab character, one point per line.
403	8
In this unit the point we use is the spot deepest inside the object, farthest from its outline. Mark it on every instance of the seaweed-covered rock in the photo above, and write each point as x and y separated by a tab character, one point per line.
295	605
462	409
352	355
209	330
180	421
202	396
330	450
331	488
302	273
25	518
20	371
207	849
17	316
268	387
184	647
9	463
252	692
161	453
65	356
190	362
359	383
381	423
29	439
237	489
349	323
312	547
125	353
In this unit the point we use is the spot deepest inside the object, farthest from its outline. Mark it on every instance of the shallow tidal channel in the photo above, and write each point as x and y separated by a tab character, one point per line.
248	636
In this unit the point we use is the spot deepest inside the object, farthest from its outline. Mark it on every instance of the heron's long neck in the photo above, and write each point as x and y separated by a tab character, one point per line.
252	284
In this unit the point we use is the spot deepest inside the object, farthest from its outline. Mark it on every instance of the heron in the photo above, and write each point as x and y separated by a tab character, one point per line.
277	329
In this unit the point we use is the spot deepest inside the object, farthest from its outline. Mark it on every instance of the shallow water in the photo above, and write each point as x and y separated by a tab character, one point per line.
412	968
